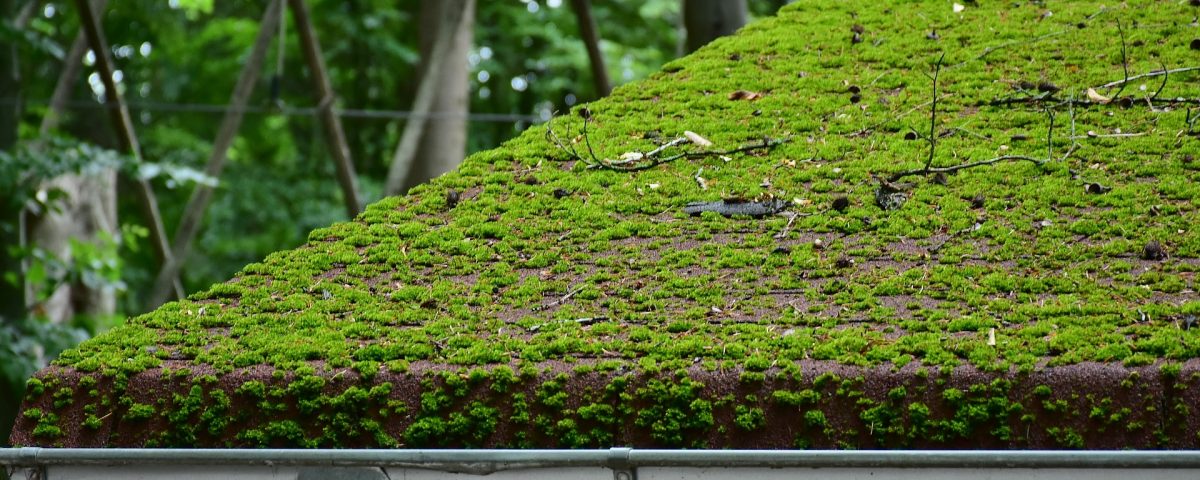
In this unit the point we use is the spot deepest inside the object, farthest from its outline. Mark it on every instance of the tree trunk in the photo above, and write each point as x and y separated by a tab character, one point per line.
335	136
10	82
88	210
591	40
443	142
705	20
89	18
12	296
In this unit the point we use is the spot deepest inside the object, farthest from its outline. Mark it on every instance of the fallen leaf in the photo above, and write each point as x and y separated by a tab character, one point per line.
744	95
1096	97
697	139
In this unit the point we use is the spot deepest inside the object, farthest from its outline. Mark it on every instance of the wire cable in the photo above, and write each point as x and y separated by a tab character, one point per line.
150	106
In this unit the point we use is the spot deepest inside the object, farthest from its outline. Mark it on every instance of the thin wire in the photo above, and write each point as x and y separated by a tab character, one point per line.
286	111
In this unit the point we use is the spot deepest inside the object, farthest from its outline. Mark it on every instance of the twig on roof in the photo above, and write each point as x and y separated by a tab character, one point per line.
635	161
1155	73
1015	43
955	168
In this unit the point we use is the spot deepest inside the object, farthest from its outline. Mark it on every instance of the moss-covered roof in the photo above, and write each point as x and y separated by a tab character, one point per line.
530	299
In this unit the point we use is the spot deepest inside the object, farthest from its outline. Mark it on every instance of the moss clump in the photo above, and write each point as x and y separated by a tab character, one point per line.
425	324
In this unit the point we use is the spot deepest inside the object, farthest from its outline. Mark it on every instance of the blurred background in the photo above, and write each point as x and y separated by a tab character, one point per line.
250	123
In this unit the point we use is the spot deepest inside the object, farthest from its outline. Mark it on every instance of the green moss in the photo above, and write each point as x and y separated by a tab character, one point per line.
676	413
139	411
47	427
614	279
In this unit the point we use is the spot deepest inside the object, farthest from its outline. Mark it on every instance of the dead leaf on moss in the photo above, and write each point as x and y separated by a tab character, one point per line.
1096	97
744	95
697	139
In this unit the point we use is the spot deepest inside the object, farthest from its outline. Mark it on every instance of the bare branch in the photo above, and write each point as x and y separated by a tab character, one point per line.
673	143
1155	73
1049	133
1011	100
937	68
955	168
1124	62
587	117
765	144
990	50
553	137
635	161
1165	76
1074	143
1109	135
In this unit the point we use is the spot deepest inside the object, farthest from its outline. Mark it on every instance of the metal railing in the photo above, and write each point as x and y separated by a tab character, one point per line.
616	463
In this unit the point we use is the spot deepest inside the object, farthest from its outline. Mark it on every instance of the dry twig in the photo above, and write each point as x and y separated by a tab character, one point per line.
635	161
955	168
1124	62
1155	73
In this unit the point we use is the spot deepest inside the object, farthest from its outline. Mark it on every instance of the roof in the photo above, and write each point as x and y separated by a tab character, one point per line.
582	290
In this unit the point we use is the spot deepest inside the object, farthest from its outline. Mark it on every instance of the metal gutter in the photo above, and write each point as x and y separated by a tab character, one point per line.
490	461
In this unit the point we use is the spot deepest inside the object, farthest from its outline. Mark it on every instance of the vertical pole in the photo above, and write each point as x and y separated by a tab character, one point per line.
189	224
323	91
125	135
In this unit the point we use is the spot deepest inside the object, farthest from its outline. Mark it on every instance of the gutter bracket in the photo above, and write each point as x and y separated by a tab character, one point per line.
618	461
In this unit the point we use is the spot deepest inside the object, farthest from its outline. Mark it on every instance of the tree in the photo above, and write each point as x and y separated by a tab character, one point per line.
12	296
706	20
446	36
591	39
